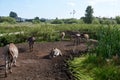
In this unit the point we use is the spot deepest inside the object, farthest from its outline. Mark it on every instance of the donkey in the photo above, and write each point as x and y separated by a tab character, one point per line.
31	41
85	36
55	52
77	39
10	53
62	35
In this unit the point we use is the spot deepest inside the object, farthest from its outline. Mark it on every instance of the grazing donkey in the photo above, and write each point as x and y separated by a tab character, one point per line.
31	41
85	36
62	35
55	52
10	55
77	39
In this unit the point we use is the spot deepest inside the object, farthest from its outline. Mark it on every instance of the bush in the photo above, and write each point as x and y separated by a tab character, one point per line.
109	41
71	21
57	21
3	41
95	21
107	73
7	19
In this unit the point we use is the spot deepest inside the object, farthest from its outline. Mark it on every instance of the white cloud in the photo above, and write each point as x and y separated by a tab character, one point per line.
71	3
95	2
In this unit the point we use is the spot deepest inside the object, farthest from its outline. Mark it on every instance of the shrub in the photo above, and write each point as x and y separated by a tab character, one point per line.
7	19
107	73
109	41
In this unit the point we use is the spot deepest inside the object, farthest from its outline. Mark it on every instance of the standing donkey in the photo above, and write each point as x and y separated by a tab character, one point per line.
62	35
31	41
10	53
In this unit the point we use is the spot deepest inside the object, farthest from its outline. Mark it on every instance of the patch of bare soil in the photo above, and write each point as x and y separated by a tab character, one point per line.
37	65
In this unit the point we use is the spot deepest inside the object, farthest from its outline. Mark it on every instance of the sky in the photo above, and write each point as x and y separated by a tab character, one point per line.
51	9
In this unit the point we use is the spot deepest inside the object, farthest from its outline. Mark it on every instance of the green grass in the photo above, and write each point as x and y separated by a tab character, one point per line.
95	66
92	67
42	32
109	41
78	71
85	68
57	27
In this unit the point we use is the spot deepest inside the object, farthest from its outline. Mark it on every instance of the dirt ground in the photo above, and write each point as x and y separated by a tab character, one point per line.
37	65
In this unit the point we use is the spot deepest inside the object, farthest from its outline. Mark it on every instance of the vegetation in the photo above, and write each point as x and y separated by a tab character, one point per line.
36	20
88	15
6	20
57	21
98	65
43	32
103	63
13	14
90	68
118	19
109	37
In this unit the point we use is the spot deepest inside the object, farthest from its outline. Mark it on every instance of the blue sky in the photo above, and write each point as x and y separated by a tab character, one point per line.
51	9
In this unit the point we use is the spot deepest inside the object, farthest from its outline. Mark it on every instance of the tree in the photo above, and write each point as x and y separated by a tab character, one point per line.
43	20
13	14
88	15
36	20
117	19
57	21
106	20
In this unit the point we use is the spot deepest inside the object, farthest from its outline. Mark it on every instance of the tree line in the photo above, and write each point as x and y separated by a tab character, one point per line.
87	19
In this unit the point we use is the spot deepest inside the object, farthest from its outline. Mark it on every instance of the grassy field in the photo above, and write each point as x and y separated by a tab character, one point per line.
57	27
90	67
43	32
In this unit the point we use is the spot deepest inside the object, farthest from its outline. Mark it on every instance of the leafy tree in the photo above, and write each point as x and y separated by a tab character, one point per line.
36	20
57	21
105	20
29	20
117	19
13	14
88	15
43	20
